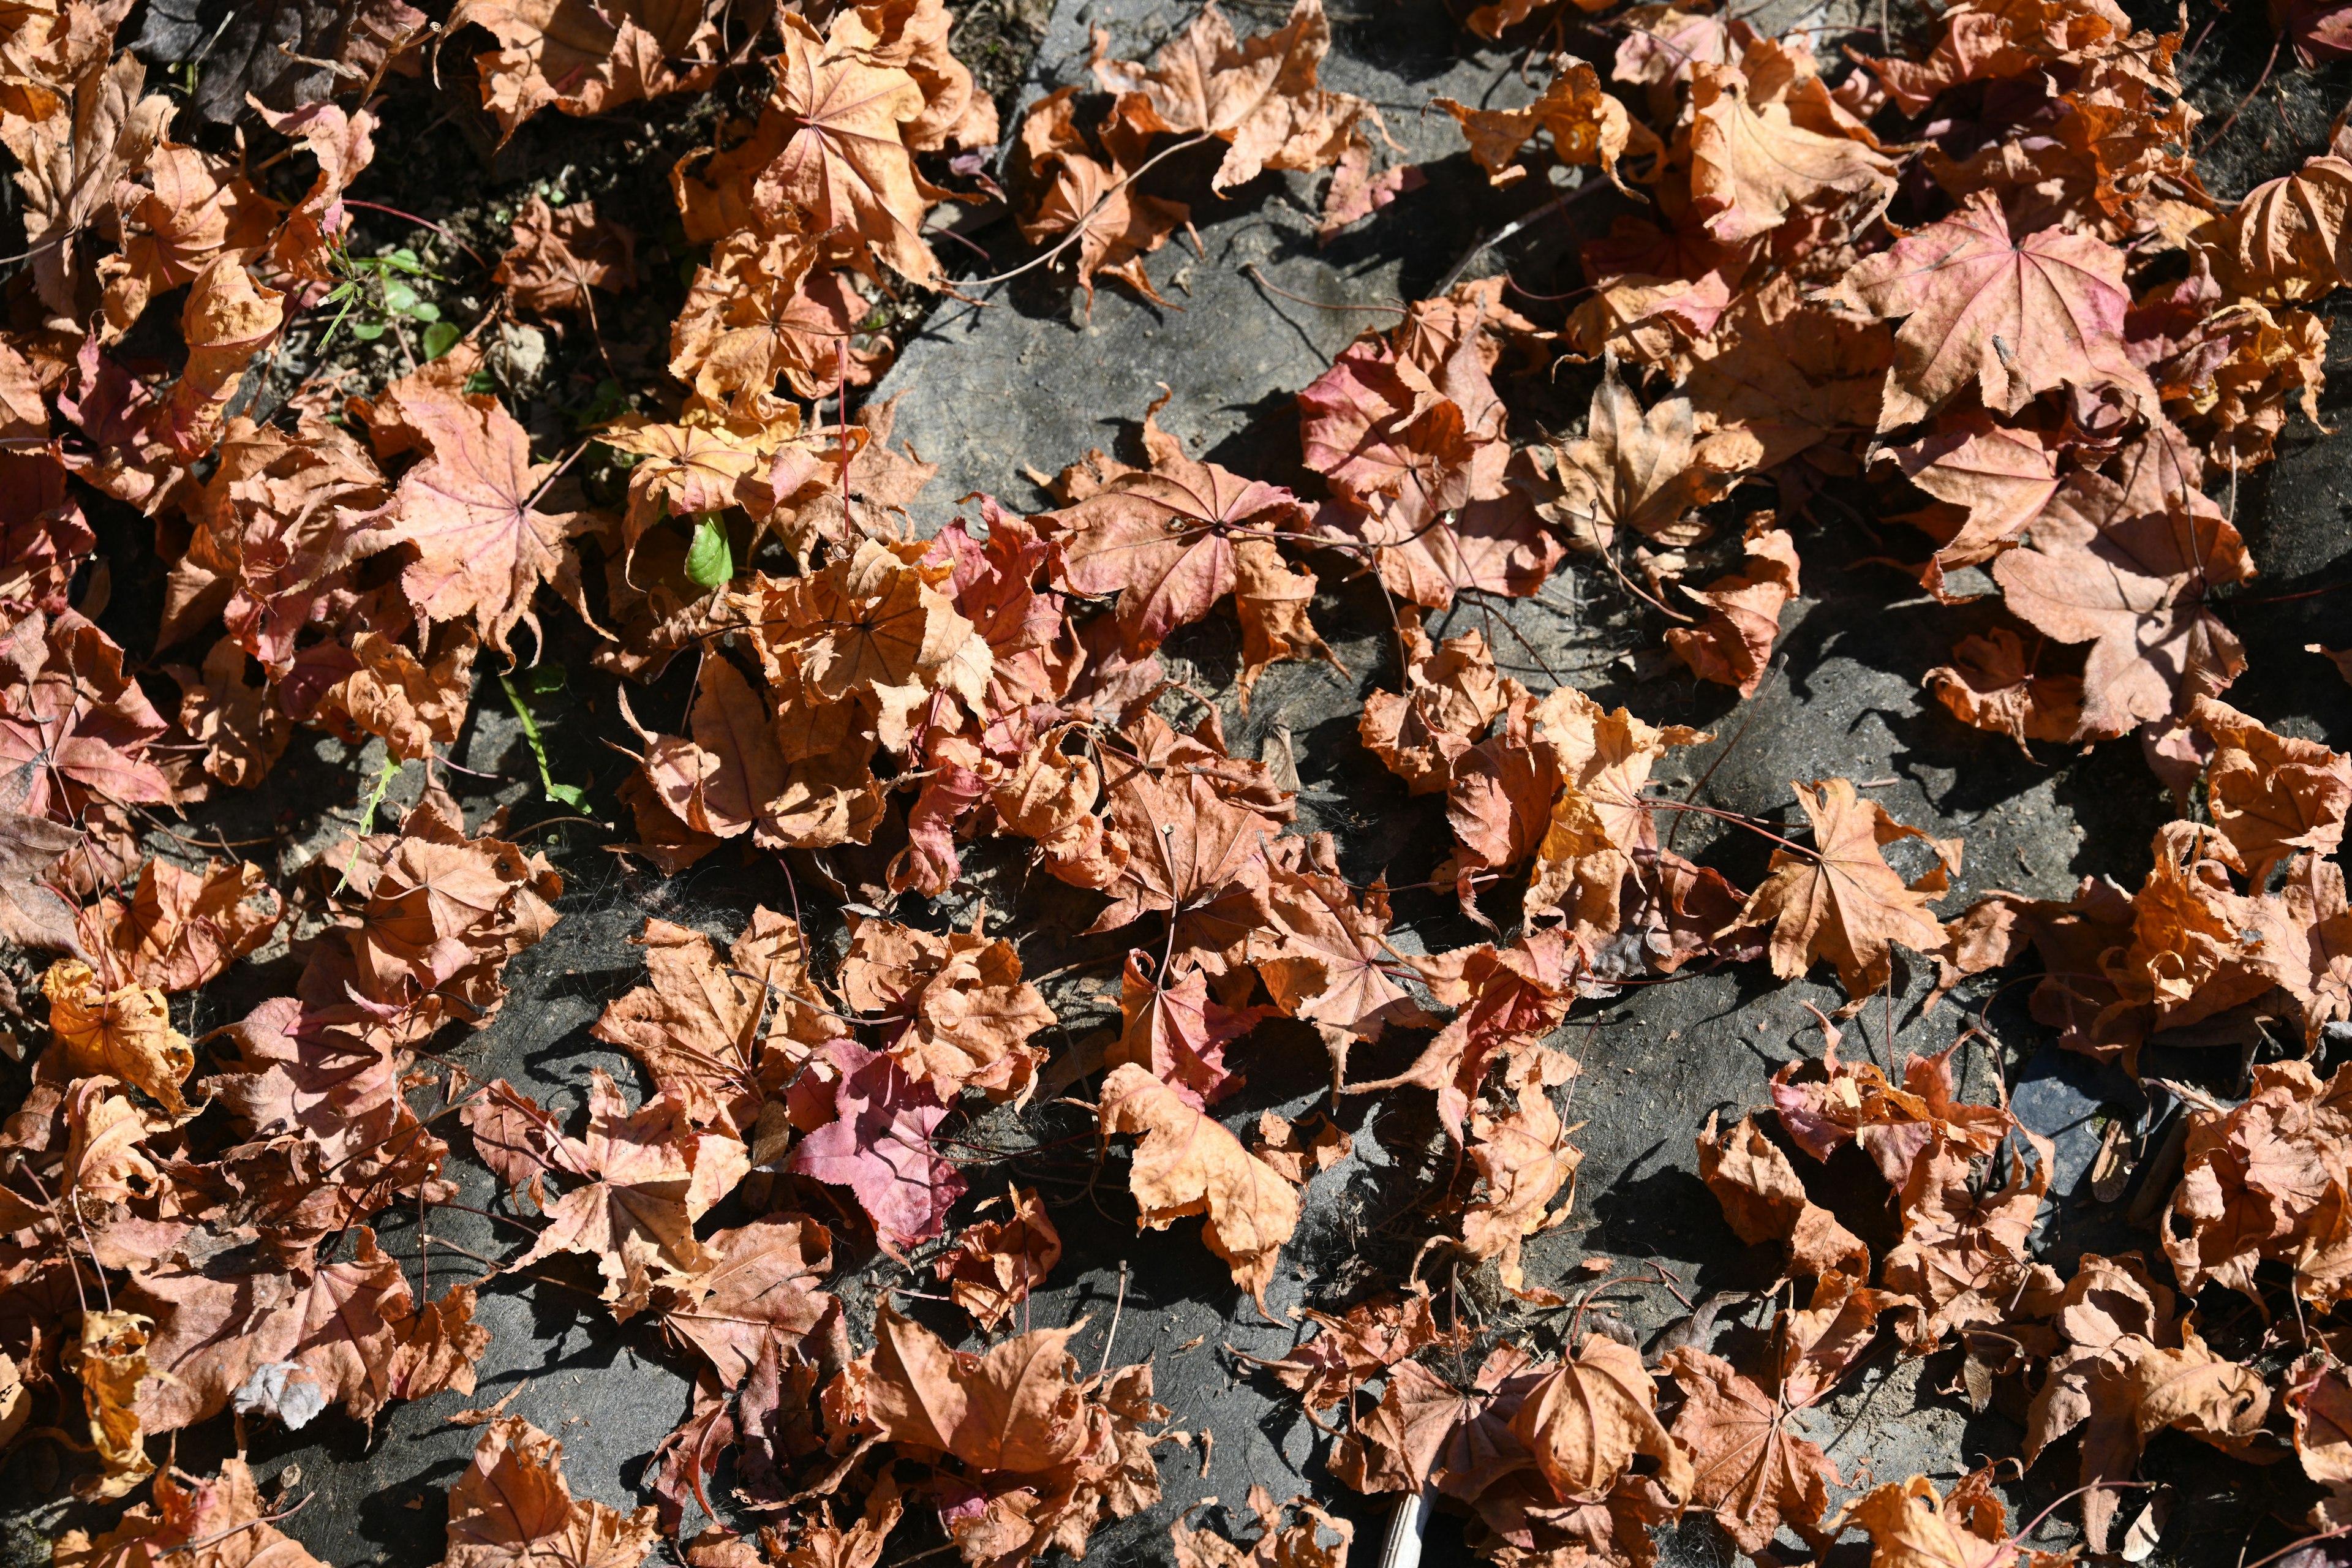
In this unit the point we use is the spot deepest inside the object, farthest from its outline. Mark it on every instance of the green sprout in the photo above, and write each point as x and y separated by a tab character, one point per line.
373	293
710	559
545	680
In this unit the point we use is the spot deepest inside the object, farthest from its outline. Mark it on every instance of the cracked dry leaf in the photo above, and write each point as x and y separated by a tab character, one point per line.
1299	1155
998	1262
2013	316
2271	794
512	1509
1185	1163
124	1032
649	1176
471	513
1843	902
111	1360
1346	1352
1258	95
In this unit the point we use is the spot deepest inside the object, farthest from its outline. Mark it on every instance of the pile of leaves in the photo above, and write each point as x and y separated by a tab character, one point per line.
1980	285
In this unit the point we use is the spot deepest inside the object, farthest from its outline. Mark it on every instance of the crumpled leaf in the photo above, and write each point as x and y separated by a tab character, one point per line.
1000	1261
180	929
512	1507
1734	643
560	254
122	1031
1186	1163
585	60
1259	95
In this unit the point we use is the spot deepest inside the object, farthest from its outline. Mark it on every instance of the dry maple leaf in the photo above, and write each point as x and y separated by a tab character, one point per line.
2284	240
1734	643
1298	1155
1075	187
2000	477
560	254
1257	94
1587	1419
1507	996
1910	1527
1525	1158
1643	469
648	1177
1824	1105
1587	126
1843	902
1452	694
124	1032
32	912
180	929
585	60
1964	1261
1186	1163
2015	317
961	1014
1346	1352
1356	193
843	157
1765	1200
471	513
723	1035
1000	1261
512	1508
1297	1544
1993	685
2264	1180
1747	1464
218	1523
1162	539
110	1360
760	308
2271	794
878	1145
2127	567
1752	161
758	1291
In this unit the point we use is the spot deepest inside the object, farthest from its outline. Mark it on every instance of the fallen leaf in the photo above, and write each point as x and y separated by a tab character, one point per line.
124	1032
512	1507
2015	317
1843	901
1187	1163
998	1262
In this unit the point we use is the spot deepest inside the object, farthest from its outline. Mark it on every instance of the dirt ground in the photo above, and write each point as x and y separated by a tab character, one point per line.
1032	381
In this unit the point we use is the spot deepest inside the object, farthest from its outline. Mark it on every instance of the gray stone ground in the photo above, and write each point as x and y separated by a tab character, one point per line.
1034	381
